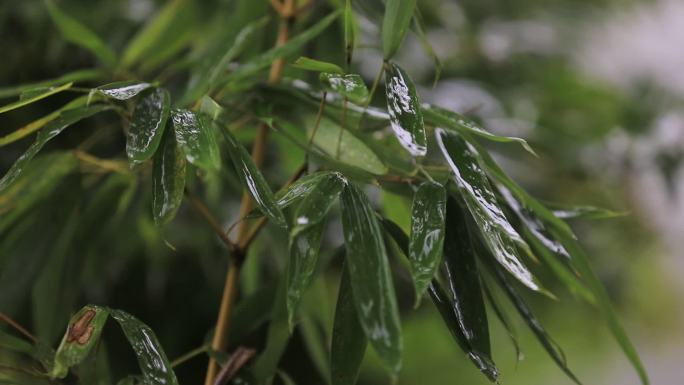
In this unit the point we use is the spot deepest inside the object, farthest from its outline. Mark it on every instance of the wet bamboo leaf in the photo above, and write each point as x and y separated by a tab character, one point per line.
370	277
585	212
349	30
505	320
52	129
196	139
450	120
82	334
168	180
349	342
70	77
404	109
154	364
473	185
278	335
350	86
25	101
308	64
395	24
75	32
427	235
301	188
123	90
305	239
253	180
147	125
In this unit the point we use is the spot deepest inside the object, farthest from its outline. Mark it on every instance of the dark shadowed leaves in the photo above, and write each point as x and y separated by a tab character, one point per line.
395	24
196	139
168	180
370	276
147	125
350	86
404	109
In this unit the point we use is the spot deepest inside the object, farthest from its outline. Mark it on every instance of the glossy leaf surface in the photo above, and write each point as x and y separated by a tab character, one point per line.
427	234
473	185
299	189
395	24
168	180
196	139
148	124
350	86
370	277
309	64
585	212
42	95
123	90
404	110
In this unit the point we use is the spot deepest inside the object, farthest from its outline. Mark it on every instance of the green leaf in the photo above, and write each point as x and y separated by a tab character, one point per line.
75	32
154	364
308	64
196	139
419	29
82	334
452	121
26	101
147	125
52	129
278	335
404	109
168	180
427	235
253	180
473	186
395	24
349	342
70	77
15	344
584	212
505	320
370	277
349	30
123	90
350	86
300	188
305	239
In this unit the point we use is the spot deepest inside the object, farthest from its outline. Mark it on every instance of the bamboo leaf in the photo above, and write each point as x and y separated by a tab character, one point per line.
70	77
253	180
26	101
427	235
196	139
154	364
350	86
404	110
123	90
473	186
349	342
168	180
585	212
72	30
505	320
300	188
395	24
278	335
370	277
308	64
147	125
81	336
349	30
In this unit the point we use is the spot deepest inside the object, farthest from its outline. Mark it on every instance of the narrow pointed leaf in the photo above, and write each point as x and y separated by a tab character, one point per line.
299	189
349	30
395	24
25	101
427	235
505	320
253	180
154	364
278	335
196	139
75	32
370	277
585	212
82	334
308	64
350	86
404	110
305	239
123	90
419	29
168	180
52	129
70	77
147	125
349	342
473	185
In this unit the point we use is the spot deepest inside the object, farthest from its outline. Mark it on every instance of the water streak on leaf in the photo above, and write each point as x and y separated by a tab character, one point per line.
168	180
147	125
196	139
404	110
123	90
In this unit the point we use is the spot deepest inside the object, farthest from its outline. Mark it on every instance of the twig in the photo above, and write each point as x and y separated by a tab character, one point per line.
6	319
211	220
189	355
236	361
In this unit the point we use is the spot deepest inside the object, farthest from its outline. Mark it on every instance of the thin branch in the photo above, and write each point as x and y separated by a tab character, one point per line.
189	355
6	319
211	220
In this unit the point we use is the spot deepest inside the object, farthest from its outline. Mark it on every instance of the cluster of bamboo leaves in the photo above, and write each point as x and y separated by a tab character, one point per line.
474	234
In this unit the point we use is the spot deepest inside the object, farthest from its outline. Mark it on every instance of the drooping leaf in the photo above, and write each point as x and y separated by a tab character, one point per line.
473	186
82	334
52	129
395	24
253	180
308	64
349	342
505	320
148	124
404	110
75	32
196	139
350	86
349	30
26	101
585	212
123	90
168	180
370	277
427	234
305	238
152	360
70	77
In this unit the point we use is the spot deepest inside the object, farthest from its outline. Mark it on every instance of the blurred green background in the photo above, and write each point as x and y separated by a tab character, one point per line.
595	86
